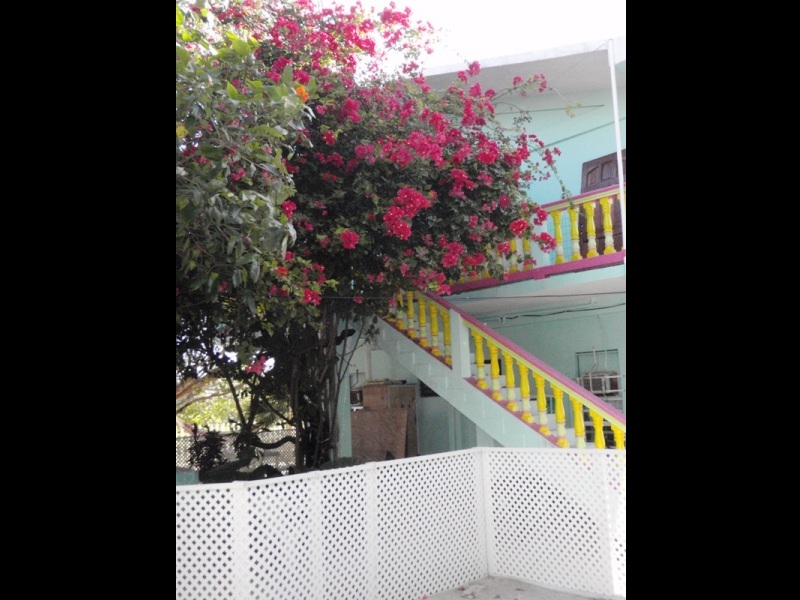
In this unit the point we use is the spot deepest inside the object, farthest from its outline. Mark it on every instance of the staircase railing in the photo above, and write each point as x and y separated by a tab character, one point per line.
457	339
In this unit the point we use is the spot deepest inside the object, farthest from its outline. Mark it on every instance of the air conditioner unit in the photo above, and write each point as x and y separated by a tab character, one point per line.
601	383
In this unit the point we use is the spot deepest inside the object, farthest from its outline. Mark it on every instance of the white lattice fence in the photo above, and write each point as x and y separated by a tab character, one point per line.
400	529
558	519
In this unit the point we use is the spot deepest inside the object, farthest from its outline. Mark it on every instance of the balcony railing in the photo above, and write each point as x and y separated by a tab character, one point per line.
588	234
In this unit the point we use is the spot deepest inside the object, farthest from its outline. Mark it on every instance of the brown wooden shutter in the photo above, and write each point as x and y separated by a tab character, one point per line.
596	174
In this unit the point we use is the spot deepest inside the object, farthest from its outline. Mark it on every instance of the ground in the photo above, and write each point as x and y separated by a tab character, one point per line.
498	588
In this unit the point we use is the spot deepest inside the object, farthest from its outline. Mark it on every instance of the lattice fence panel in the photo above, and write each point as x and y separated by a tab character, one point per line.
616	474
285	557
557	518
207	558
348	537
429	536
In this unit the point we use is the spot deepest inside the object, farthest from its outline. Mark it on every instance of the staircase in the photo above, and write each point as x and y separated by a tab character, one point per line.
444	348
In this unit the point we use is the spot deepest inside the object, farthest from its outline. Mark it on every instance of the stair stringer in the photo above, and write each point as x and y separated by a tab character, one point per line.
502	425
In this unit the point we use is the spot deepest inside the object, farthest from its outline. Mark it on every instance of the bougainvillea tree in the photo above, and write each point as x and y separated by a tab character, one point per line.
234	129
396	186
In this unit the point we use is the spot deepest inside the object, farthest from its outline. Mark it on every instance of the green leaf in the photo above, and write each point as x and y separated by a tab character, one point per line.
277	131
241	47
189	211
233	94
255	271
183	53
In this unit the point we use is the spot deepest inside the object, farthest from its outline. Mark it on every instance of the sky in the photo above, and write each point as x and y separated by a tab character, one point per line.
475	30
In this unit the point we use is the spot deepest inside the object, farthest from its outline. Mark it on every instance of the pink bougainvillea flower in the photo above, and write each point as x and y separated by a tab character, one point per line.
311	297
362	151
350	111
257	367
281	271
518	226
449	260
236	176
358	299
349	239
288	208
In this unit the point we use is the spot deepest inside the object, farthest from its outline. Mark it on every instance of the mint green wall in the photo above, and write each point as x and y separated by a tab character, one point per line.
442	428
556	339
588	134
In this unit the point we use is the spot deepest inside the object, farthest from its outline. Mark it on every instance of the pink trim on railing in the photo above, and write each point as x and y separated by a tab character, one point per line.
595	262
563	381
612	189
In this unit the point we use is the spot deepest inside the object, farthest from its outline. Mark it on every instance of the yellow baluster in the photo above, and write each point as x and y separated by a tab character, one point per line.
436	351
607	204
479	359
619	437
580	426
561	420
423	324
512	267
559	236
448	348
511	393
591	231
599	436
525	393
412	327
526	254
541	404
574	234
494	370
490	252
401	315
